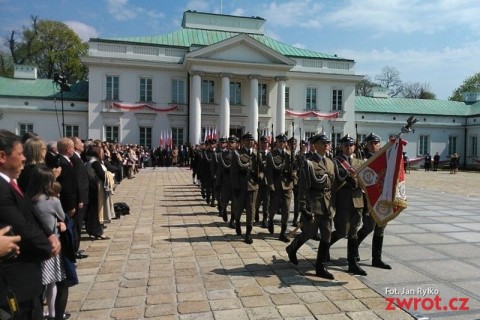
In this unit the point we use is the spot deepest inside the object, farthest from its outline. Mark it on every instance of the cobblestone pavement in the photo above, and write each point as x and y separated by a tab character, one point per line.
173	258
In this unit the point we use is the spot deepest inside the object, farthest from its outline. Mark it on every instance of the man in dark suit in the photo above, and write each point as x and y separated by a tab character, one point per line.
67	179
83	184
51	155
23	274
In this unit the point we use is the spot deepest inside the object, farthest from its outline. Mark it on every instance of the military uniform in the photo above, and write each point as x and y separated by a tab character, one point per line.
349	203
280	178
369	224
205	173
317	191
292	142
263	196
244	173
224	181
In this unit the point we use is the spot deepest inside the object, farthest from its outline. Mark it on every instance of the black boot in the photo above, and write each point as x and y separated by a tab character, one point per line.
257	216
224	215
295	220
248	235
238	229
361	235
377	244
270	226
352	254
322	253
264	223
283	237
231	224
293	248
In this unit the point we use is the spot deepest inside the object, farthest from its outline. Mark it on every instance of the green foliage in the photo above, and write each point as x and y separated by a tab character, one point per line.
364	87
471	84
53	47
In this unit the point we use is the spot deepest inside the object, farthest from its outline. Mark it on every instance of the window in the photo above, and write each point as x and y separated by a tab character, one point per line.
145	89
112	88
335	138
452	145
71	131
262	94
146	136
287	97
111	133
236	131
178	91
309	134
311	101
337	99
423	145
361	137
236	93
24	128
473	146
208	94
177	136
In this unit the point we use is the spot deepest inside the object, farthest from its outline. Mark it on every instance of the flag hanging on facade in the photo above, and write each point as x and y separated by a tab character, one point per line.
382	178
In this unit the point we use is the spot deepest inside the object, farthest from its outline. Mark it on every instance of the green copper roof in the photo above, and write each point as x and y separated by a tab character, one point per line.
411	106
187	37
41	88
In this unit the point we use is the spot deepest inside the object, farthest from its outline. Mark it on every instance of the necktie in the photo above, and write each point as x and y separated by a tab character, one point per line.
15	186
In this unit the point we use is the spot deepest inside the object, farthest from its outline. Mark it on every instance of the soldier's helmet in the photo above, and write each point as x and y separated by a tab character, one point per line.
281	137
372	137
292	140
247	136
263	139
232	139
347	140
321	137
222	140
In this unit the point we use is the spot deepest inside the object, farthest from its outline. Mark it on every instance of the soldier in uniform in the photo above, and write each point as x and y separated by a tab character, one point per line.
349	202
244	173
292	146
280	175
372	142
205	171
222	146
263	196
224	182
316	203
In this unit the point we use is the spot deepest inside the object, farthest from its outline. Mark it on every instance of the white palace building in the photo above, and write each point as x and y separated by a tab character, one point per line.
220	75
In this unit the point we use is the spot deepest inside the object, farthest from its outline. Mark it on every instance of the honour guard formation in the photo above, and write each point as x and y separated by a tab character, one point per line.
241	175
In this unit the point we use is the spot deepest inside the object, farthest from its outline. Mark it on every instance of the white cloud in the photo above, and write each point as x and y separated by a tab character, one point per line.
298	13
198	5
238	12
122	11
84	31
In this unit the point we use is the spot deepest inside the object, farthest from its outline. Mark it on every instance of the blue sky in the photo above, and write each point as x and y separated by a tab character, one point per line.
433	42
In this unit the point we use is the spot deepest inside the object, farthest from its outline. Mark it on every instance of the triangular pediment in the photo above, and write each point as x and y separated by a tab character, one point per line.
241	48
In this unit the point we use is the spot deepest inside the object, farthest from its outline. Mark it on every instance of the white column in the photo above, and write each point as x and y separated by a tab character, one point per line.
280	115
253	108
225	107
196	109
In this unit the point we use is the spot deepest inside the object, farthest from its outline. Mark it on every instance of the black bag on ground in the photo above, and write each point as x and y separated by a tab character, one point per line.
121	209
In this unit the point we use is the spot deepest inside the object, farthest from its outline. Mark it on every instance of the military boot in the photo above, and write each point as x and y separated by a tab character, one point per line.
238	228
295	220
257	216
283	237
322	253
377	244
224	215
352	254
248	235
361	235
293	247
270	226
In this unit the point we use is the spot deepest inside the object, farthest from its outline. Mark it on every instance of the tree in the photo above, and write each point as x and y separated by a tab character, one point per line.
390	78
52	46
471	84
364	87
416	90
6	64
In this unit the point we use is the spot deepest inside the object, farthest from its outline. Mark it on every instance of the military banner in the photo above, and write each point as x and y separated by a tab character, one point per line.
382	178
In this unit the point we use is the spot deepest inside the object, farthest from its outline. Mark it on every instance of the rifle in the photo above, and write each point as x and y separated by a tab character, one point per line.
358	146
292	151
258	150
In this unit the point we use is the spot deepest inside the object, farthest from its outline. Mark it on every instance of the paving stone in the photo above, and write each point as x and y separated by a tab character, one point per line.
127	313
284	299
262	313
193	307
249	291
237	314
350	305
289	311
160	298
130	301
159	310
256	301
322	307
225	304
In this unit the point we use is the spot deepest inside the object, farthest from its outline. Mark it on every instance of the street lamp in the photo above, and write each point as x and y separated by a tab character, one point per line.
61	83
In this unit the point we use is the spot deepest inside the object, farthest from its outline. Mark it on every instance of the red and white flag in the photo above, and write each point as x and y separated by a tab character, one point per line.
382	178
161	139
